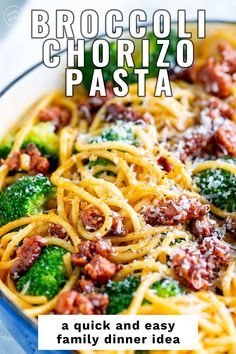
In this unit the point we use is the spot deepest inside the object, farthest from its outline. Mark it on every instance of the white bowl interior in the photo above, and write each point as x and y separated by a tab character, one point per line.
27	90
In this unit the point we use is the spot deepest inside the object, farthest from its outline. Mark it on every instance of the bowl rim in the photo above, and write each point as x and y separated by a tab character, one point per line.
17	309
31	68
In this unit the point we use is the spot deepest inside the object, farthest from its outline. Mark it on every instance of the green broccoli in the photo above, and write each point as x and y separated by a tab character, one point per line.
46	276
218	186
109	69
6	146
44	137
105	173
155	51
121	294
228	159
100	162
167	287
25	197
116	133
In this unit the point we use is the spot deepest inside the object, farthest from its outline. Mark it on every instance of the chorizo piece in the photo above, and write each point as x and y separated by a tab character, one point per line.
27	254
174	211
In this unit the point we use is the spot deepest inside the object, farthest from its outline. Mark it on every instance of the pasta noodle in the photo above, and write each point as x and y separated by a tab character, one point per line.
134	174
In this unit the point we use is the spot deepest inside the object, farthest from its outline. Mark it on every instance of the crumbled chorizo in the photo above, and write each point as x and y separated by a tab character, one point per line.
165	164
190	268
198	266
217	255
85	286
93	219
83	256
228	57
65	303
194	143
89	249
204	226
216	81
56	230
93	104
72	302
13	161
27	254
57	115
225	136
216	75
37	162
102	247
174	211
231	225
100	269
185	74
218	108
100	302
117	227
93	256
116	111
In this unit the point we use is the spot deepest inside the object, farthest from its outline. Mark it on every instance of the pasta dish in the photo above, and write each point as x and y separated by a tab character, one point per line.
128	205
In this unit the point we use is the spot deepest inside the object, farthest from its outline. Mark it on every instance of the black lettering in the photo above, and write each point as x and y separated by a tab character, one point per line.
65	326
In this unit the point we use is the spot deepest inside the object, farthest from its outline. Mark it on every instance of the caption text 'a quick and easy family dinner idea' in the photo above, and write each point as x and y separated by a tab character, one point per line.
118	332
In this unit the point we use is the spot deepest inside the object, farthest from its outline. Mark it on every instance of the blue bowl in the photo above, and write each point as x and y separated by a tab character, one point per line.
22	328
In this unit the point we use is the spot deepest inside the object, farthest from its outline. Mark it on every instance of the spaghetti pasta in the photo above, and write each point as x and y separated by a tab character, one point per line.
131	183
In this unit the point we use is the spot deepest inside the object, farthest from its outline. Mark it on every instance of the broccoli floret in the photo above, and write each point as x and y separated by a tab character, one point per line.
6	146
116	133
218	186
109	70
44	137
121	294
100	162
105	173
167	287
25	197
46	276
155	51
229	159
